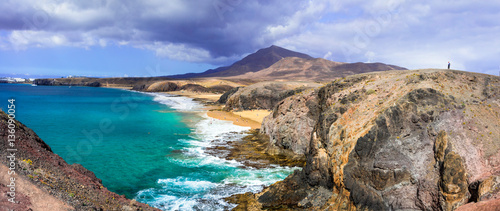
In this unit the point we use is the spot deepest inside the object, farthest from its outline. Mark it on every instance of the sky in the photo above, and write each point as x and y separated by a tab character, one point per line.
108	38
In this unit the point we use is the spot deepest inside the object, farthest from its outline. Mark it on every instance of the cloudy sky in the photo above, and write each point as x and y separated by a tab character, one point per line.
160	37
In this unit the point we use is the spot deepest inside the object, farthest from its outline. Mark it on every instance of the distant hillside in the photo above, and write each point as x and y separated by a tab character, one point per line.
276	63
259	60
318	69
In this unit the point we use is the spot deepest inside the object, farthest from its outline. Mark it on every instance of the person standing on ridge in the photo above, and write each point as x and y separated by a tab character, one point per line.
448	65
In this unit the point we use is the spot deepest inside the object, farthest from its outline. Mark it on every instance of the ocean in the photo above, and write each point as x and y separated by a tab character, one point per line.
147	146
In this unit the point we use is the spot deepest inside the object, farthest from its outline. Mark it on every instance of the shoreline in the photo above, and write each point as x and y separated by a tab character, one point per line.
247	118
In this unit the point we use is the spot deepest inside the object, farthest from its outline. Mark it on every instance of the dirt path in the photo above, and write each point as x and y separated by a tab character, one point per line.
27	194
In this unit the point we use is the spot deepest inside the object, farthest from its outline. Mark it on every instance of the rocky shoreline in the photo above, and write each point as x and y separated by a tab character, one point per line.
253	151
47	176
412	140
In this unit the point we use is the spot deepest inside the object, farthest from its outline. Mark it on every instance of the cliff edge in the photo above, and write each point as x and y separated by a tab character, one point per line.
37	179
394	140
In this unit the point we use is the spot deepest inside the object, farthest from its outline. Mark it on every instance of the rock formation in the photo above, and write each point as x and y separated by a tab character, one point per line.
395	140
264	95
44	181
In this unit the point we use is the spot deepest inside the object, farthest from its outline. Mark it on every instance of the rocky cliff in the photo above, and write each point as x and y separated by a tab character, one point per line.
395	140
44	181
263	95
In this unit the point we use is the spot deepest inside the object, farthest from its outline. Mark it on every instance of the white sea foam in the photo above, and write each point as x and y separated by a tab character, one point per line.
177	102
256	178
167	202
186	193
181	183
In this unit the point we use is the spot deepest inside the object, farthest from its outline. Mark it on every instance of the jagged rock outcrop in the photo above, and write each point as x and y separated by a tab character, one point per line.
224	97
412	140
291	124
265	95
44	181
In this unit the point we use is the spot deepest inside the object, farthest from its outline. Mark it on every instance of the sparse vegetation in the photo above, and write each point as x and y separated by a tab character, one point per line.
370	91
28	161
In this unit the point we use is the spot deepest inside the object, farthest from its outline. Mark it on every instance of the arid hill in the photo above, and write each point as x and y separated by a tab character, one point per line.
394	140
276	63
259	60
293	68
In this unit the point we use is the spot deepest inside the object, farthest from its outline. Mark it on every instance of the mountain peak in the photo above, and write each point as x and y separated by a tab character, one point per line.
261	59
301	66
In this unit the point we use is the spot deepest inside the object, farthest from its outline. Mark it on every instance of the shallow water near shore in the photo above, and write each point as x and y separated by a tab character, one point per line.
149	147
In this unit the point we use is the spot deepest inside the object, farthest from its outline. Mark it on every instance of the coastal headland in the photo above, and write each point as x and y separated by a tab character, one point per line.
367	136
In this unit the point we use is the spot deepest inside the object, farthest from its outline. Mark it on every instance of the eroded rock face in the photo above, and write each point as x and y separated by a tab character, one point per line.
223	98
453	183
418	140
265	95
291	125
396	155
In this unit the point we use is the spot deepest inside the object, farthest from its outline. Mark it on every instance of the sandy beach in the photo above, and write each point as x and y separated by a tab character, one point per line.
248	118
251	118
255	115
208	97
236	119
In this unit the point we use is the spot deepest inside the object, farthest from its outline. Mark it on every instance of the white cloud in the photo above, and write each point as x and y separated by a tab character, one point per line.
406	33
417	35
183	52
179	52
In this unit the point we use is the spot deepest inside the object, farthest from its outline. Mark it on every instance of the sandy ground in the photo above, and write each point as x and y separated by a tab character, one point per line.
196	95
252	118
255	115
236	119
38	199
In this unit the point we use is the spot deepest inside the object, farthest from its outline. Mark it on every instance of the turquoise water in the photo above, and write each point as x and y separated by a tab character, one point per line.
149	147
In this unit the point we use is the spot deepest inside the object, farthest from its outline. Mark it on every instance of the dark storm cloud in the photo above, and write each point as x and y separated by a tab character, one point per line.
222	28
414	34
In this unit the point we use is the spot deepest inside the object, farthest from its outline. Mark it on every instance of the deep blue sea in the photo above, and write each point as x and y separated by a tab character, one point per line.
147	146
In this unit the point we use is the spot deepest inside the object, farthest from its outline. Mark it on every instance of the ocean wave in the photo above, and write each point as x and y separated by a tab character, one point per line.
166	201
179	103
186	184
206	190
257	178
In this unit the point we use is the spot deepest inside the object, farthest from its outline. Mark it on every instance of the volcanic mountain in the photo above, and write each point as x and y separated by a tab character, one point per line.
293	68
259	60
276	63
